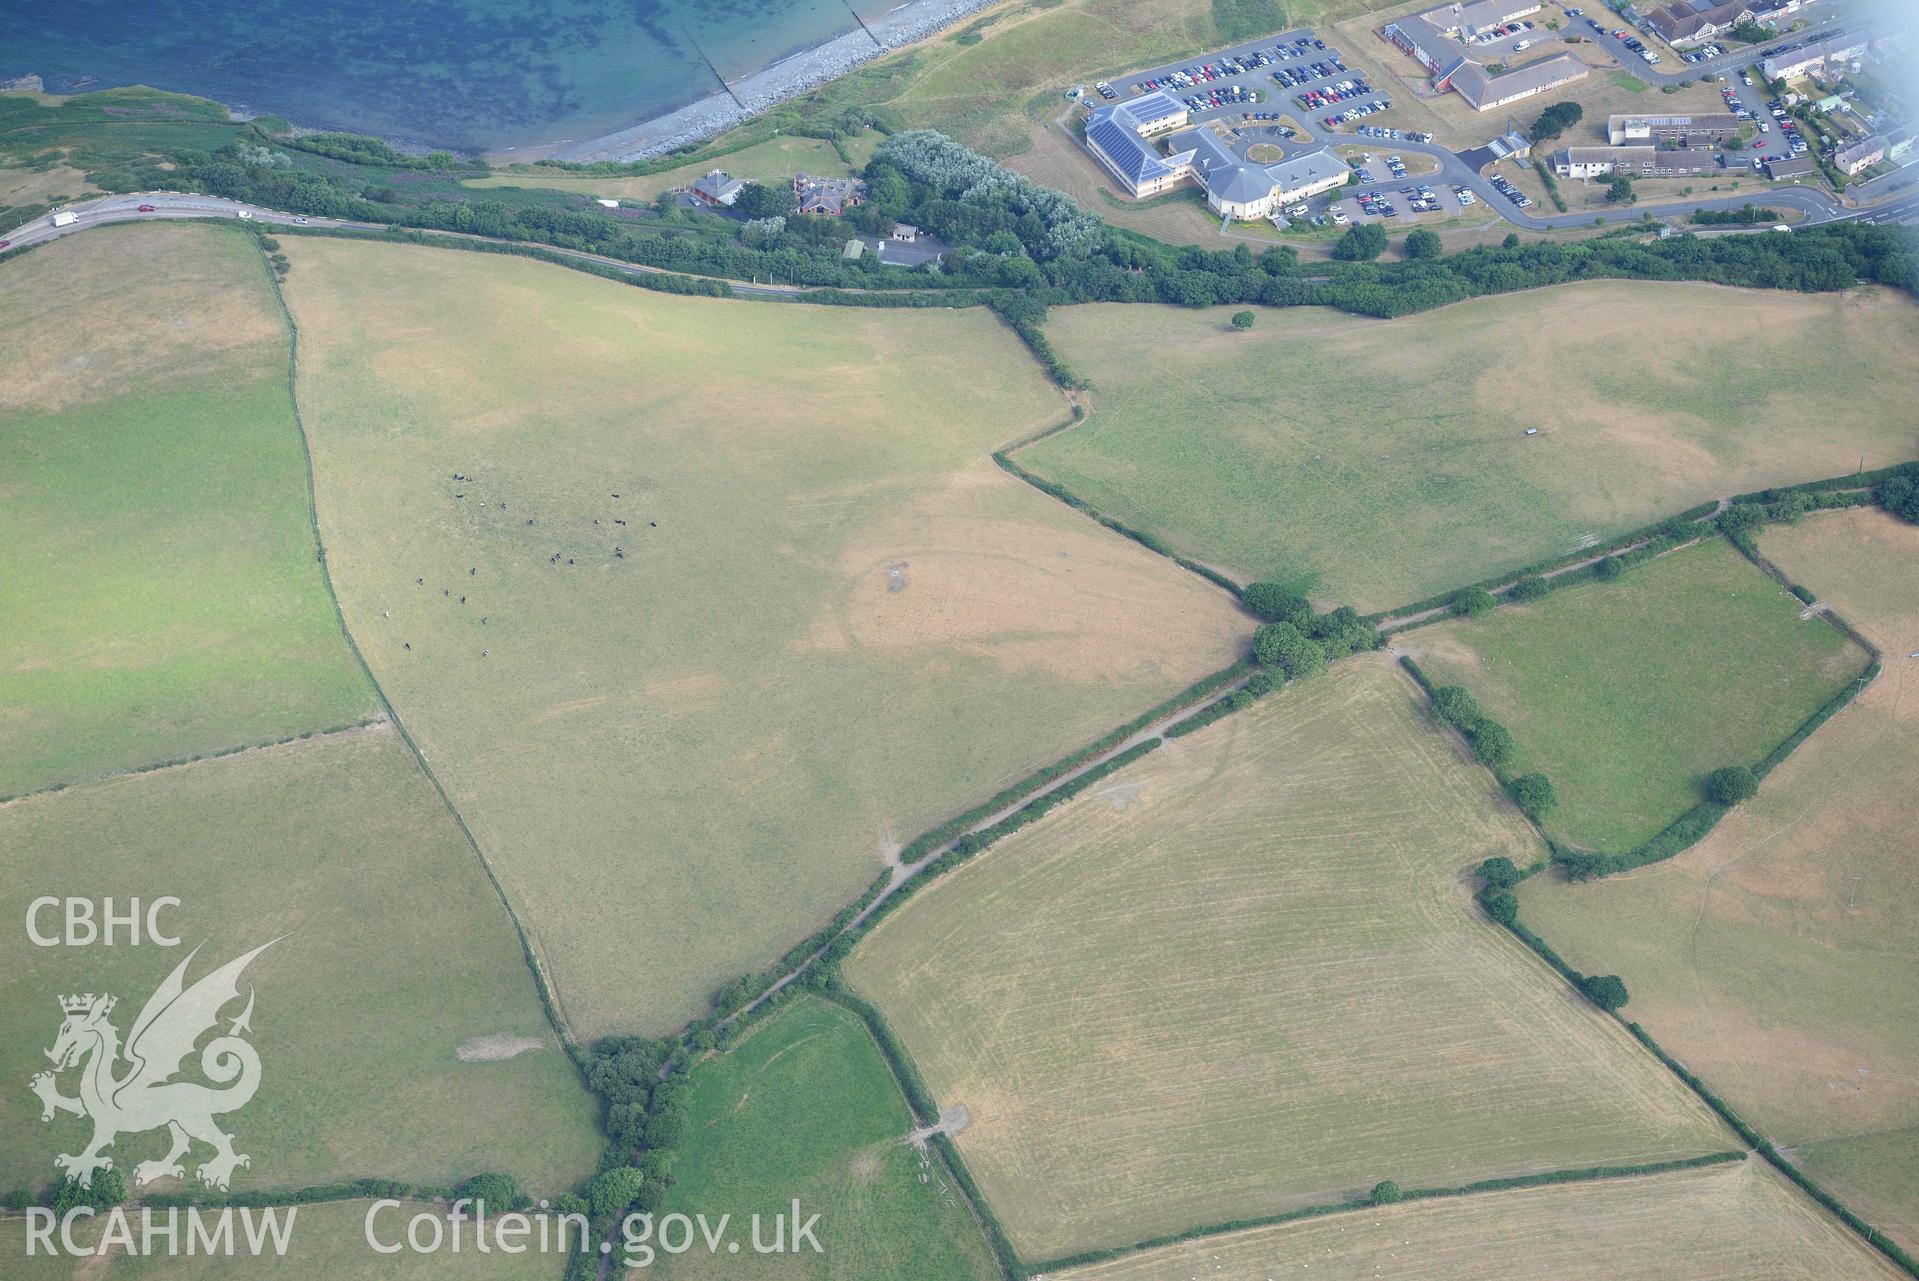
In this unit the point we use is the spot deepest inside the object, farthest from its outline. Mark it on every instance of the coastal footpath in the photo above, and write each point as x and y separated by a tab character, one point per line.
717	112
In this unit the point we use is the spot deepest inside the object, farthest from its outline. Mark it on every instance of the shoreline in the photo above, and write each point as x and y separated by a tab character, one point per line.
761	91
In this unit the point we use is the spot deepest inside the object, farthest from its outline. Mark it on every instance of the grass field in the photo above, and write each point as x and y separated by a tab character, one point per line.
1379	463
828	621
327	1240
806	1108
1728	1223
774	161
394	953
161	596
1776	956
1245	975
1628	694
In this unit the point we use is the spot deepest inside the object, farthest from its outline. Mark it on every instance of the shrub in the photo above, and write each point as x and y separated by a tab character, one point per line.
1534	795
1386	1192
1607	568
1502	906
1272	603
1499	872
109	1189
18	1199
1471	602
1531	587
1607	991
1731	785
1243	320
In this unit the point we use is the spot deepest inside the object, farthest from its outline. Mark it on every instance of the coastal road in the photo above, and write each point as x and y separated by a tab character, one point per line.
178	204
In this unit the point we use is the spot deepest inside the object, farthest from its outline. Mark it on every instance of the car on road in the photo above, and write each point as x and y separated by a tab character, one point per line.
147	208
243	213
300	220
5	243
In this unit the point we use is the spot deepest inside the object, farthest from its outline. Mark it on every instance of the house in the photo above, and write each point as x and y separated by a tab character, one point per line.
1713	129
905	232
1899	142
1690	22
718	189
829	197
1863	154
1797	167
1631	162
1814	56
1468	21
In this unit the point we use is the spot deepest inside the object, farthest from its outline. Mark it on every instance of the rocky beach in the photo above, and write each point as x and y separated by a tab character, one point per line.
753	94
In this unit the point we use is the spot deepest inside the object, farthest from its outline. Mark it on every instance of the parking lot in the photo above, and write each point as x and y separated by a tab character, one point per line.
1297	74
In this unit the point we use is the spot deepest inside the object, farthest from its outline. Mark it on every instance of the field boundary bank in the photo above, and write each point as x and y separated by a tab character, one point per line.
1151	542
549	1001
1872	1235
216	754
1693	519
1589	1174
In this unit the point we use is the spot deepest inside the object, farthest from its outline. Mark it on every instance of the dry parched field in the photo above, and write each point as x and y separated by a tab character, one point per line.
1377	463
1776	957
1245	975
1740	1222
700	608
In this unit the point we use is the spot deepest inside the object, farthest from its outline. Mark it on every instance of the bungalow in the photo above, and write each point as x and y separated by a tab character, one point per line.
829	197
717	188
905	232
1689	22
1484	91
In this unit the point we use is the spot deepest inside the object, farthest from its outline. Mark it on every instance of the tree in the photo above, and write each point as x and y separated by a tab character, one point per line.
1274	603
1555	120
1619	191
1607	991
613	1190
1386	1192
1534	795
1454	705
1607	568
1532	587
1511	241
1361	243
1285	647
758	200
1471	602
1492	743
1423	242
109	1188
497	1193
1243	319
1731	785
1498	872
1900	496
1501	906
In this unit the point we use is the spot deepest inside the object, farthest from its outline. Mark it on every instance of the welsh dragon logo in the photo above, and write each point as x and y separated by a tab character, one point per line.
145	1096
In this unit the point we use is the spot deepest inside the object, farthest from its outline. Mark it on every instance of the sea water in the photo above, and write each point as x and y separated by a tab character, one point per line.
481	75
